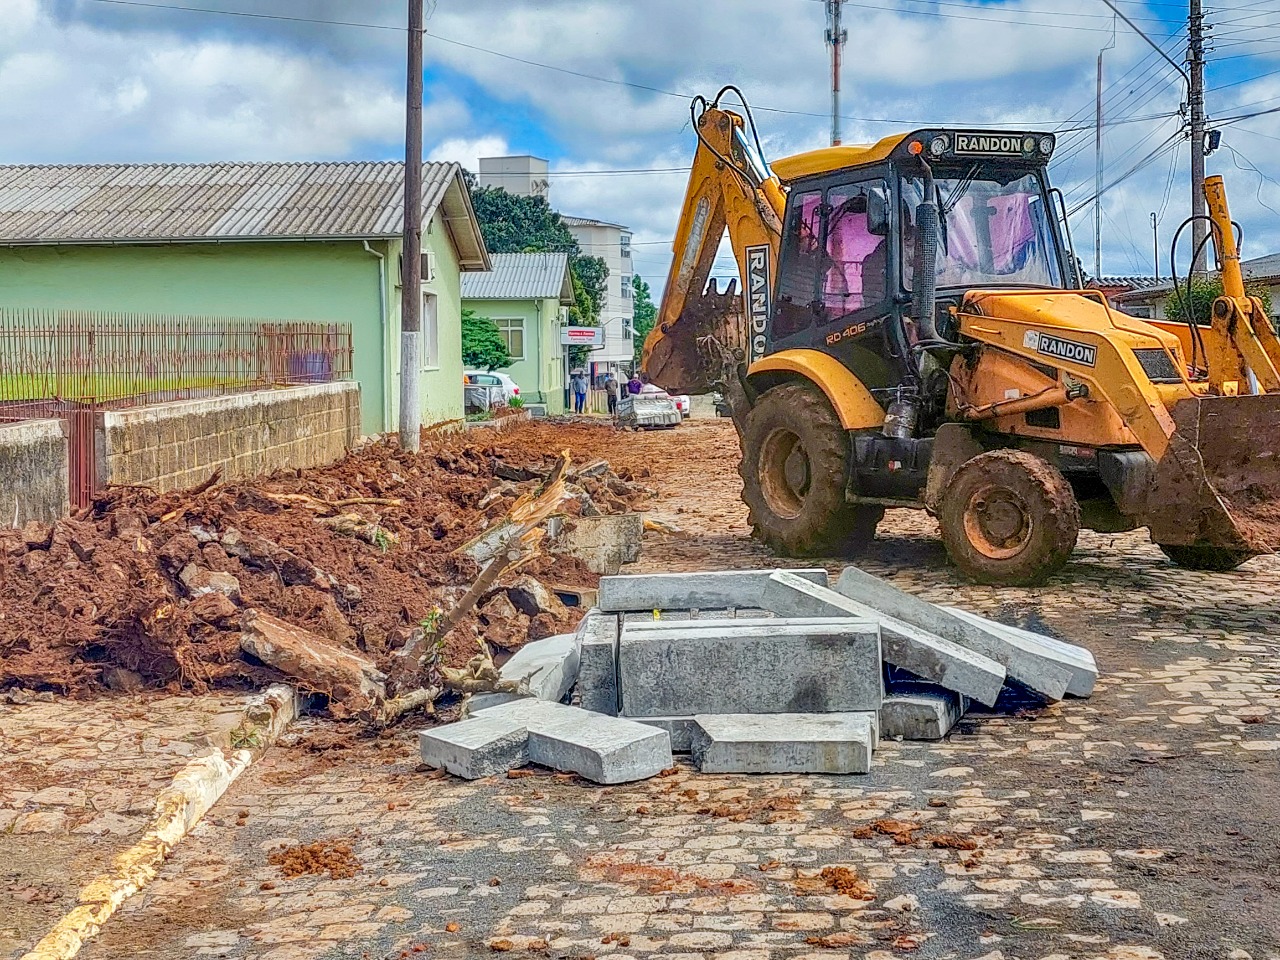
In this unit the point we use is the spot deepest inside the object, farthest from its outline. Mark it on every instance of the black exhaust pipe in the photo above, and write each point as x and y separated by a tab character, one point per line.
925	276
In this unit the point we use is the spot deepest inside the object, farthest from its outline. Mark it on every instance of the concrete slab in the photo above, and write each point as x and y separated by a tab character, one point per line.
1078	661
749	666
481	746
1038	669
920	712
598	662
923	653
548	667
785	743
680	729
601	748
712	590
603	544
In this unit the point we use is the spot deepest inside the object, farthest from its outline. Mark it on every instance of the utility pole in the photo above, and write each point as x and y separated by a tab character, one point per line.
1195	101
1097	161
836	37
411	257
1155	246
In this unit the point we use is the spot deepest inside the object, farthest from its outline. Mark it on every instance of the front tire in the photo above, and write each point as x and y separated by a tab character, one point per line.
794	459
1203	556
1009	518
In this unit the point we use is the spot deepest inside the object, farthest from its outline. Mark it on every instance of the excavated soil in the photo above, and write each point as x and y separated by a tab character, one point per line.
120	596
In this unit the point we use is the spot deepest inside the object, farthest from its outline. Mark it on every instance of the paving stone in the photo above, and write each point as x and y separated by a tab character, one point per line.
480	746
679	729
598	662
1078	661
749	666
923	653
920	711
785	743
1039	669
710	590
601	748
549	666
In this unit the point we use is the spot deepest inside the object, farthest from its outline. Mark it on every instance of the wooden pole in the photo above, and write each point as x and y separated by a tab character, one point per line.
411	269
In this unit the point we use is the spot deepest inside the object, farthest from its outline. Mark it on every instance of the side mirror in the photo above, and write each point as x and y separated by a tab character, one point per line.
878	211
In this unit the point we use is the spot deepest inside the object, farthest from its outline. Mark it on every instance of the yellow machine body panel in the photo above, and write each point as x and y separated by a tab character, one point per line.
829	159
852	401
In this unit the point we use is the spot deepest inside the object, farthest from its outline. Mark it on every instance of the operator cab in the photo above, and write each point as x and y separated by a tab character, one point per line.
847	264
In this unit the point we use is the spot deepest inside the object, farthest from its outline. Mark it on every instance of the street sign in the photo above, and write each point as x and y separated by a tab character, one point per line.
582	336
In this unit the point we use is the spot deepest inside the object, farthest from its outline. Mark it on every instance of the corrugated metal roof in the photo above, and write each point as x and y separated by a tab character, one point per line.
522	276
150	202
588	222
1265	268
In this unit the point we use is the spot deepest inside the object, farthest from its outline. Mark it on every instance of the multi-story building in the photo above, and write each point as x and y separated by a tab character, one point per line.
612	243
522	176
527	176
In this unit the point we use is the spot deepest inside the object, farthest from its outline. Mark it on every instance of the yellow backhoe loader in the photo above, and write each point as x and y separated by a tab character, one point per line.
912	331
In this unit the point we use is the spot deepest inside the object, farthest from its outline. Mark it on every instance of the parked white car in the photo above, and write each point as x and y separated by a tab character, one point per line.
684	405
510	389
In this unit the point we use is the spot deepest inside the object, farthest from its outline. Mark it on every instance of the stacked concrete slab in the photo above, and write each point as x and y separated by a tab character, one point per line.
768	671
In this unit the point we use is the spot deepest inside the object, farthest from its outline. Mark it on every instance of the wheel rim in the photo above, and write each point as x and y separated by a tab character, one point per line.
785	473
997	522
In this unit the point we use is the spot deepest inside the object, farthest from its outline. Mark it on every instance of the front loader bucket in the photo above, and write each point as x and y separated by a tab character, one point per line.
1219	481
675	356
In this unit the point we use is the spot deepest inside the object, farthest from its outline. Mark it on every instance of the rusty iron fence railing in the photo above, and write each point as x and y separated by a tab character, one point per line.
69	364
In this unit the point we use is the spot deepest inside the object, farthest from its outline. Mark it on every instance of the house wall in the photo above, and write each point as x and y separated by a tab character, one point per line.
173	446
308	281
441	381
618	311
540	373
315	282
33	472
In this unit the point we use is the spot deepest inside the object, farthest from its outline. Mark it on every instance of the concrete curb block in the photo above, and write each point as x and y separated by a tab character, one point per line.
180	806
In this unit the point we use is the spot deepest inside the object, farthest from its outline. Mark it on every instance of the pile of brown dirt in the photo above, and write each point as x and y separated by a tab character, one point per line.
158	584
325	856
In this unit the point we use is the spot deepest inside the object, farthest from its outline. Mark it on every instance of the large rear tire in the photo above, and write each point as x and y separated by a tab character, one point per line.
1203	556
794	456
1009	518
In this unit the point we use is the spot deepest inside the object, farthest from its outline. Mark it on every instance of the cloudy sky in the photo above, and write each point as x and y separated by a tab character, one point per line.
600	88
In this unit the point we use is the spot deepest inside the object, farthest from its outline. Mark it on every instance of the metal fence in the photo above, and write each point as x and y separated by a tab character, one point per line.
69	364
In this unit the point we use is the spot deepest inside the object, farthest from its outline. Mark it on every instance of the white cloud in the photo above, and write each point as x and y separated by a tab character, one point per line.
467	151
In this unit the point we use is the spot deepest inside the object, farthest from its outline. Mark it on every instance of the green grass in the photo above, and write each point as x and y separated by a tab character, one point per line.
26	386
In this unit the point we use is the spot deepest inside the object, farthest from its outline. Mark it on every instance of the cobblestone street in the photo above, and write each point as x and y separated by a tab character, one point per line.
1136	825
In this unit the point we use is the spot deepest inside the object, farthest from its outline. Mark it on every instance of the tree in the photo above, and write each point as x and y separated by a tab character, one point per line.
514	224
645	313
1199	299
482	344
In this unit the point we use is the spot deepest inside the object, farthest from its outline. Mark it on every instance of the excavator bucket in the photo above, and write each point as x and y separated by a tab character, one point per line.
1219	481
676	356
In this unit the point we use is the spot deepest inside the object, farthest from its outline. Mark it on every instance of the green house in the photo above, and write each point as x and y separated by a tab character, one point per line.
527	295
268	241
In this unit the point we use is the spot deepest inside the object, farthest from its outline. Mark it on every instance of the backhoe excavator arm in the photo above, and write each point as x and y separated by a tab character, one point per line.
698	331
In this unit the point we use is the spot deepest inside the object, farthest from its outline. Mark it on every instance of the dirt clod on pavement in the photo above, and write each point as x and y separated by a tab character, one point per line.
333	857
154	588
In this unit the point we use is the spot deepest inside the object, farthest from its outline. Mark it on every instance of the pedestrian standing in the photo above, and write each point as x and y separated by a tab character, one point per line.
611	392
579	384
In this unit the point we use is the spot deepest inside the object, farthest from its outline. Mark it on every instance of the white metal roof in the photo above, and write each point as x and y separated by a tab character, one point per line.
522	276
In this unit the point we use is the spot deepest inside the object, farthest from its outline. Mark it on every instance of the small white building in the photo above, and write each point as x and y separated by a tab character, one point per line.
612	243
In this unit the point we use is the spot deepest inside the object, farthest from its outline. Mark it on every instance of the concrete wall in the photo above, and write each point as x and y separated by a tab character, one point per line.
173	446
540	373
33	472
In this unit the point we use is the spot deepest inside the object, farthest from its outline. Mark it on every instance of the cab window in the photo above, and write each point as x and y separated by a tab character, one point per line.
833	265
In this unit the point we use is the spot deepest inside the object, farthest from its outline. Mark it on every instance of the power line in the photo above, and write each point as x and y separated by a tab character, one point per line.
547	66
